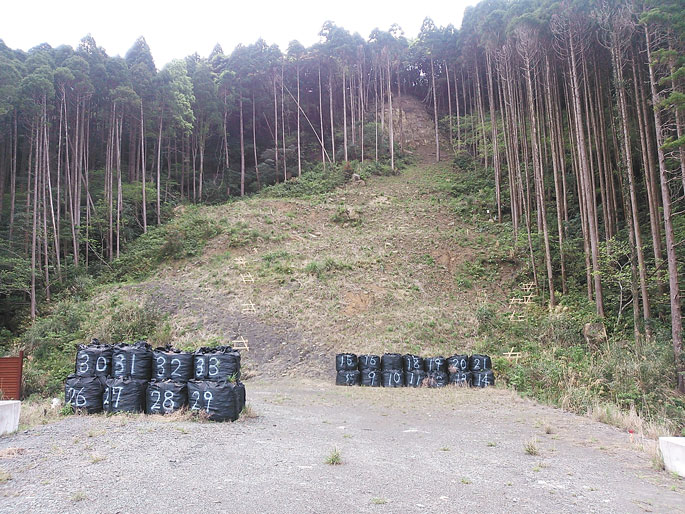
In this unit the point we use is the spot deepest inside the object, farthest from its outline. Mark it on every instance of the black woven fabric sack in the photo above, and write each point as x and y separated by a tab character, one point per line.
218	364
437	379
457	363
433	364
220	401
371	378
165	396
94	359
479	362
132	360
393	378
84	393
461	378
369	362
412	362
414	378
171	364
483	378
124	394
345	362
348	378
391	361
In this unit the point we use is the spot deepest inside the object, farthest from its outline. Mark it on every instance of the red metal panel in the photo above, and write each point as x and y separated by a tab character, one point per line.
10	376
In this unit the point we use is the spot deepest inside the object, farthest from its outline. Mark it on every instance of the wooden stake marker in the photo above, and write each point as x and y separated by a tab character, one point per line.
240	344
249	308
512	355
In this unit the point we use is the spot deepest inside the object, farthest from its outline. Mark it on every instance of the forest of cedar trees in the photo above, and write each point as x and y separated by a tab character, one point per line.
575	111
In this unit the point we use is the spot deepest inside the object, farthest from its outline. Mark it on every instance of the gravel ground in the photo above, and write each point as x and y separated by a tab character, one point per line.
403	450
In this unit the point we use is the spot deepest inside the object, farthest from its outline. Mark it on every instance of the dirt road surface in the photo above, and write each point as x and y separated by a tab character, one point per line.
402	450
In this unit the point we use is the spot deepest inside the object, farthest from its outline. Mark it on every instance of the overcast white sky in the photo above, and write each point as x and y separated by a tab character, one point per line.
175	29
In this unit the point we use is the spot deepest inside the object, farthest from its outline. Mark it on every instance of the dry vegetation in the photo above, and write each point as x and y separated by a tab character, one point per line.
387	284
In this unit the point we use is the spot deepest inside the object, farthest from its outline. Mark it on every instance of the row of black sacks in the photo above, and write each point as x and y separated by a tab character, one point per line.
140	362
218	400
395	370
135	378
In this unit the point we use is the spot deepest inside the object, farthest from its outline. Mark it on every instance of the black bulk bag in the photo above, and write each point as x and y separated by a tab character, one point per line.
124	394
412	362
219	400
433	364
217	364
483	378
458	363
414	378
371	377
345	362
132	360
369	362
165	396
479	362
461	378
240	391
84	393
391	361
437	379
94	359
393	378
347	378
171	364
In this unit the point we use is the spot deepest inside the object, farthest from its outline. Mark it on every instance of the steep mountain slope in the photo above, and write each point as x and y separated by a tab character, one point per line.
369	267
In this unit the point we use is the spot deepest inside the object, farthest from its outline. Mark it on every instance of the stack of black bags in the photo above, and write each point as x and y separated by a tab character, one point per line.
135	378
395	370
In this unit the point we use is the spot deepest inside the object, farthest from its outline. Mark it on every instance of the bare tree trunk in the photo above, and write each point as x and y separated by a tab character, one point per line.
323	145
13	174
159	170
254	143
285	156
242	149
435	113
628	163
344	114
650	177
449	103
676	313
142	166
390	123
299	150
495	148
587	179
557	169
34	231
330	103
275	126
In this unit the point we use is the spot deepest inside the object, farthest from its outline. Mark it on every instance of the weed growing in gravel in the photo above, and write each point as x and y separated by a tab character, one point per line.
248	412
95	458
78	496
531	447
549	429
658	460
335	458
491	444
4	476
379	501
465	480
445	449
